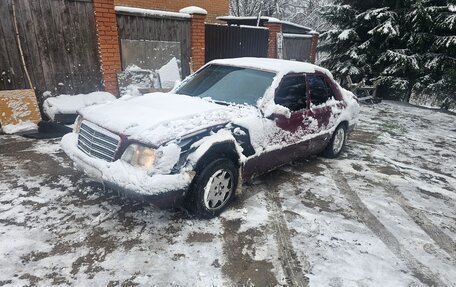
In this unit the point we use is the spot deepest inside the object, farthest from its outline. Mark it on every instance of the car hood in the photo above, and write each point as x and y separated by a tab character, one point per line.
158	117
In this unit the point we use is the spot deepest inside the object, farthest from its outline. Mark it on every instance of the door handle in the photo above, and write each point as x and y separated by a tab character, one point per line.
307	121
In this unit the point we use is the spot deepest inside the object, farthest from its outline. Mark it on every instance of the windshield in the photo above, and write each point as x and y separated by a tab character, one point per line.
228	84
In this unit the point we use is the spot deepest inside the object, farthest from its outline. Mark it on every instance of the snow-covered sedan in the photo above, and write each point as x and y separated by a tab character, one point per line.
230	121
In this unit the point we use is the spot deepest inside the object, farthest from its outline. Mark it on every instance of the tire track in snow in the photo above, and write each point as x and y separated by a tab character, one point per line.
420	271
440	238
288	259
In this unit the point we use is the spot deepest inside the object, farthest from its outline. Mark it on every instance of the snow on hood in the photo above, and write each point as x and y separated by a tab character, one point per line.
70	104
158	117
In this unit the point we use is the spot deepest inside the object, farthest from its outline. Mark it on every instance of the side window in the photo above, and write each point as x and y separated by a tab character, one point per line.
292	93
320	92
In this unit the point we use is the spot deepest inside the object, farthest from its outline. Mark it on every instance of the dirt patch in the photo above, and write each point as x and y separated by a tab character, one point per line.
100	244
242	269
200	237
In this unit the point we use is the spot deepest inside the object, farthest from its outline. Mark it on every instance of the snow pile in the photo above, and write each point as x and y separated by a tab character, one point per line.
149	12
70	104
26	126
169	74
193	10
134	78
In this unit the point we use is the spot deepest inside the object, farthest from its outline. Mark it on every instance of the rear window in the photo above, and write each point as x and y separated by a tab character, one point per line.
228	84
320	92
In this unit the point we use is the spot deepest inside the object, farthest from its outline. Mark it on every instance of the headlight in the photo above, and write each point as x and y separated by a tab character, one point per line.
138	155
77	124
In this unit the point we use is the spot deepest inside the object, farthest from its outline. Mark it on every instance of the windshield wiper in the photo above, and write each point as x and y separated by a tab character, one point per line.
221	103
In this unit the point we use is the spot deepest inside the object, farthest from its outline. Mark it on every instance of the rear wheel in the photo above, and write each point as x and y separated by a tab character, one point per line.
213	188
336	143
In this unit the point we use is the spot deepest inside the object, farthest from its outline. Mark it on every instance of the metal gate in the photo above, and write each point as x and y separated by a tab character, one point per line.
224	41
297	47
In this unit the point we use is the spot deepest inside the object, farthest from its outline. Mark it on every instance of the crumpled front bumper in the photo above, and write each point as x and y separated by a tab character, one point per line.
162	190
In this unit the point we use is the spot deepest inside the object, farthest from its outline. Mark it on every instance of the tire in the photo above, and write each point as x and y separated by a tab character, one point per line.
213	188
337	142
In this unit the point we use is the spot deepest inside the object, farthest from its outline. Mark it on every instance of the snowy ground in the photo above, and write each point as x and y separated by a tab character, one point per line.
384	214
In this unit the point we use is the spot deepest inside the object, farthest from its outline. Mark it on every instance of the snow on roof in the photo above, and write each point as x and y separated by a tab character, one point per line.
193	10
224	18
150	12
253	27
272	65
288	35
275	20
266	18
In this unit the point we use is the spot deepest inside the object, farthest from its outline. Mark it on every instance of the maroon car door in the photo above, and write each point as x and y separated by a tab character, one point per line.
291	132
325	106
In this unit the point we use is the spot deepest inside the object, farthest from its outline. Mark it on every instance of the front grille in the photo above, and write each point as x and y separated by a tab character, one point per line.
97	142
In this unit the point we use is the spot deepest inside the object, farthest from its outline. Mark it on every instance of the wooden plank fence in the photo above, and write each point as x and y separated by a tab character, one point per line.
58	38
224	41
140	26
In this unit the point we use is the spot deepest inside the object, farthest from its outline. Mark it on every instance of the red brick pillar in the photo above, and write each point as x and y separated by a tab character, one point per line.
198	35
108	43
313	48
274	28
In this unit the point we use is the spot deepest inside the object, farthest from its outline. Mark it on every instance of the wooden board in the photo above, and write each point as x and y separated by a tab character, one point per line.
59	41
18	106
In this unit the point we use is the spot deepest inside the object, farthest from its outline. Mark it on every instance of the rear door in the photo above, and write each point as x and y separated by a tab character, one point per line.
325	105
292	94
285	142
325	101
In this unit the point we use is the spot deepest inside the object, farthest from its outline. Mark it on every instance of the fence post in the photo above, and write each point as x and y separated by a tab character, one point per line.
108	43
274	28
198	36
313	48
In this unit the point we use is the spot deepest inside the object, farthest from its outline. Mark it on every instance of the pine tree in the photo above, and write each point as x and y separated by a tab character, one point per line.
408	46
423	61
364	31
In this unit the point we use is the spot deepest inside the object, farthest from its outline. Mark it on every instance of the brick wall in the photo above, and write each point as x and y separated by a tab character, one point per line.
313	48
214	8
108	43
198	42
274	28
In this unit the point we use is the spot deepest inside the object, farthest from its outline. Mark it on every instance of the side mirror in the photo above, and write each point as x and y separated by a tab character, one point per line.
275	111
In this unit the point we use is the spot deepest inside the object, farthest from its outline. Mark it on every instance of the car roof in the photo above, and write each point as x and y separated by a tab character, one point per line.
272	65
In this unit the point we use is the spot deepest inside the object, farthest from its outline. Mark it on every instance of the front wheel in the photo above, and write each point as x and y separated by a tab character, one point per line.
336	143
213	188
